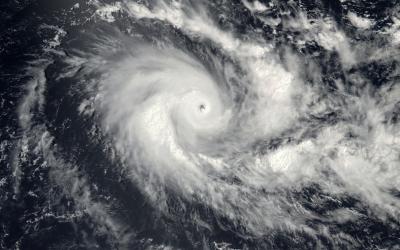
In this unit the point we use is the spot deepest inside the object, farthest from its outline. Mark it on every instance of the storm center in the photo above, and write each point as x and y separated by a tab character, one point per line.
202	107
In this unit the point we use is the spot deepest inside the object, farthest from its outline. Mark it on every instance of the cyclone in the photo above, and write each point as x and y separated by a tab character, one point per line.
165	114
175	124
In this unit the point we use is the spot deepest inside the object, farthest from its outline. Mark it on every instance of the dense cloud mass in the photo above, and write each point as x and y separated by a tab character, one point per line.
173	124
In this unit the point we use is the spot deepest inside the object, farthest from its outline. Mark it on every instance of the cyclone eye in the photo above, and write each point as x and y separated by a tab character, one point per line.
202	107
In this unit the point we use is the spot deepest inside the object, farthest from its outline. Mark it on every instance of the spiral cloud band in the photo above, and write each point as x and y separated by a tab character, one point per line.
168	109
218	130
177	126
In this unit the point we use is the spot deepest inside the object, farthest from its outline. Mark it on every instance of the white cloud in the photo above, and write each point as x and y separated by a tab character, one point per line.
359	22
255	6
